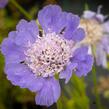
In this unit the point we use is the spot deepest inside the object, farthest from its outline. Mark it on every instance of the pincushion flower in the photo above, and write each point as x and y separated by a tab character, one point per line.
3	3
34	56
97	35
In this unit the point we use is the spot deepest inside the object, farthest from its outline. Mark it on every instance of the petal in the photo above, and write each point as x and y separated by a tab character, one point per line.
78	35
72	21
83	60
26	33
49	94
106	27
100	17
28	26
71	24
92	15
101	58
84	66
12	52
3	3
50	18
88	14
7	43
80	53
21	75
15	71
67	73
105	43
35	84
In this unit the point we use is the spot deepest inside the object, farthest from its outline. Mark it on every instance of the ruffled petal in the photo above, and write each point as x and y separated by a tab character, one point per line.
92	15
50	92
101	57
15	72
7	43
71	32
26	33
106	27
50	18
100	17
36	84
78	35
12	52
105	43
84	67
88	14
20	75
84	61
67	73
80	53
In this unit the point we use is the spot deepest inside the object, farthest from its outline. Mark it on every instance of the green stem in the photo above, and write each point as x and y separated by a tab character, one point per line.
21	9
95	88
86	7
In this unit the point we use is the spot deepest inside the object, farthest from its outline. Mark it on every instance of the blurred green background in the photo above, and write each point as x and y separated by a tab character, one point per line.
79	92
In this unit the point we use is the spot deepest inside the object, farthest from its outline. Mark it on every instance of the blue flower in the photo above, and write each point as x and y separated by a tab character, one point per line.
34	56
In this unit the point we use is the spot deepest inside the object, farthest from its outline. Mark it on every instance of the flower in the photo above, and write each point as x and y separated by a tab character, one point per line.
97	35
3	3
34	56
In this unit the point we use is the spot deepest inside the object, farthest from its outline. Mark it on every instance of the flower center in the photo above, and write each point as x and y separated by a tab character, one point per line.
49	54
93	29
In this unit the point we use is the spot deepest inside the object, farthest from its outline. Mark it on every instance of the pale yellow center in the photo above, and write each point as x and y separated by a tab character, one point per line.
93	30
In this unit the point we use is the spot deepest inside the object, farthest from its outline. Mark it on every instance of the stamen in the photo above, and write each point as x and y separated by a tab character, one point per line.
49	54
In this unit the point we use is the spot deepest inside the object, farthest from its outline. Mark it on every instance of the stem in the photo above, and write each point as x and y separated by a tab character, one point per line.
21	9
86	7
95	88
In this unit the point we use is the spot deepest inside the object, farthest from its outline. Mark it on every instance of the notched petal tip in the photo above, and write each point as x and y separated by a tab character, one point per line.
49	93
50	18
26	33
67	73
78	35
84	61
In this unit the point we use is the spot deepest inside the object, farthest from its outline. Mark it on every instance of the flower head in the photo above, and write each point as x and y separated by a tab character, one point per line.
3	3
34	56
97	35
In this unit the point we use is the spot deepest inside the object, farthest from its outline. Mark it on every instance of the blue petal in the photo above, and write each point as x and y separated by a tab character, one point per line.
71	24
50	18
84	67
7	43
21	75
12	52
26	33
15	71
80	53
3	3
83	60
101	56
105	43
89	14
49	94
106	26
67	73
78	35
